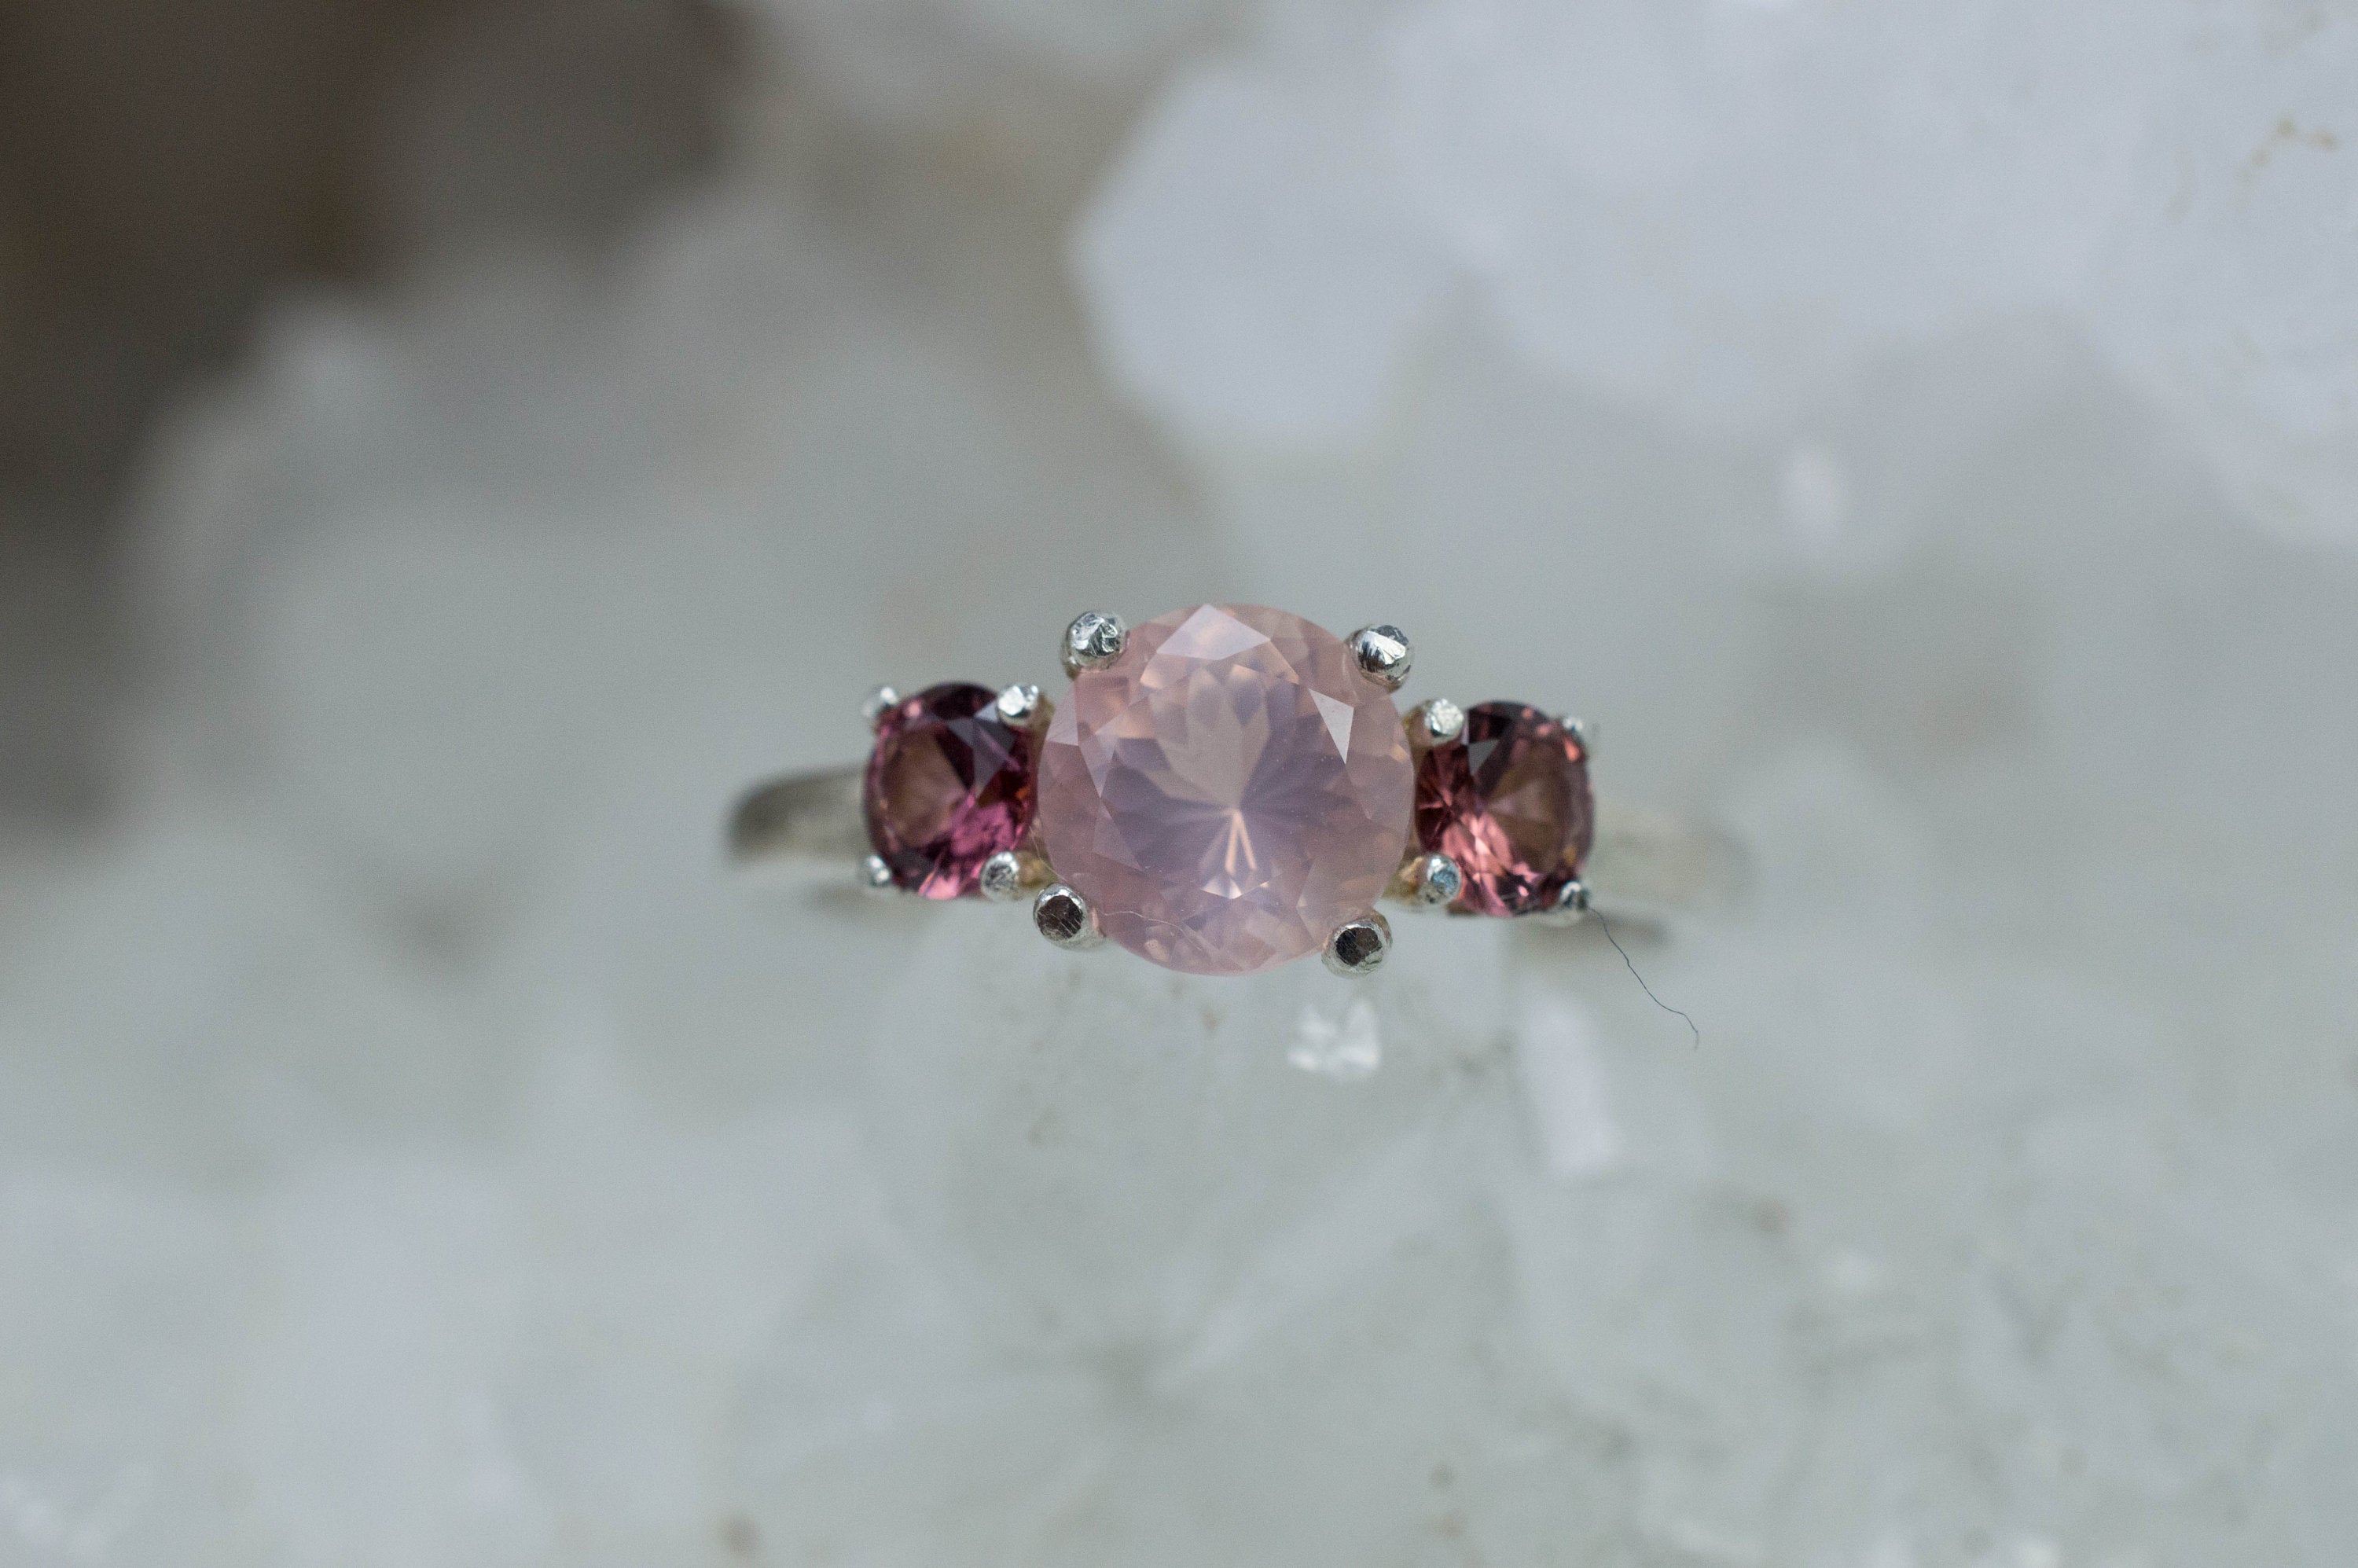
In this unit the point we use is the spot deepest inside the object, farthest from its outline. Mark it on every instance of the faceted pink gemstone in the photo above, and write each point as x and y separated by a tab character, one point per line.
949	785
1510	802
1228	791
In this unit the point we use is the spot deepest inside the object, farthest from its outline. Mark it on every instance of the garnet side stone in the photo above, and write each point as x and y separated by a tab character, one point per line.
949	785
1228	791
1507	800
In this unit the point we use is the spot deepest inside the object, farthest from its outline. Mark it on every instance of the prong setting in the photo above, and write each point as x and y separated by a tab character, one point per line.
1064	917
879	703
1437	722
1021	705
1431	881
1093	641
1383	653
1358	948
1010	874
875	874
1570	907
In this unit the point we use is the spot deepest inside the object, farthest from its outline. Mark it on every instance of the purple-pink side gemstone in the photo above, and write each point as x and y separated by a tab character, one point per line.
1508	800
949	785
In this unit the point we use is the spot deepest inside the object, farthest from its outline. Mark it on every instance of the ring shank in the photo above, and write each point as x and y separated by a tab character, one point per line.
812	823
802	819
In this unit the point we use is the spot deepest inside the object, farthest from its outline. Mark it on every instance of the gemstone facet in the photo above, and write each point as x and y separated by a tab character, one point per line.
1508	800
949	785
1228	791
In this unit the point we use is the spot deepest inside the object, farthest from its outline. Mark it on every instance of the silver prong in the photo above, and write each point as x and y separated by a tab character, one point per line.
1432	882
1359	946
1065	918
1010	874
1437	722
1570	906
881	701
1019	703
1093	641
875	874
1583	733
1383	653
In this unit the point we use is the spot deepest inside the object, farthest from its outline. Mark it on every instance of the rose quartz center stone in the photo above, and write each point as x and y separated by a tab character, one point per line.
1228	791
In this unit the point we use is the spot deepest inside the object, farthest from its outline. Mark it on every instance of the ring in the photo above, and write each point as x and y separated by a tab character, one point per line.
1223	789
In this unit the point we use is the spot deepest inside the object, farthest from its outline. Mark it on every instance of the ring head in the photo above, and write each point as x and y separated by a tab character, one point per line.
973	790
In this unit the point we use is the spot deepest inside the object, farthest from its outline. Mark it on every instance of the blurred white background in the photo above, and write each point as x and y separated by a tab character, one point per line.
447	448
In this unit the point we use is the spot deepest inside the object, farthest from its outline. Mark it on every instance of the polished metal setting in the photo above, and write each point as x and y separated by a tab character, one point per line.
1431	881
1002	878
1022	704
1010	874
875	874
1570	908
1438	721
1581	732
881	701
1065	918
1358	948
1093	641
1383	653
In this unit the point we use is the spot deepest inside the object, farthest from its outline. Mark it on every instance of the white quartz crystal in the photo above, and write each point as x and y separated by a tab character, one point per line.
1917	436
1718	210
